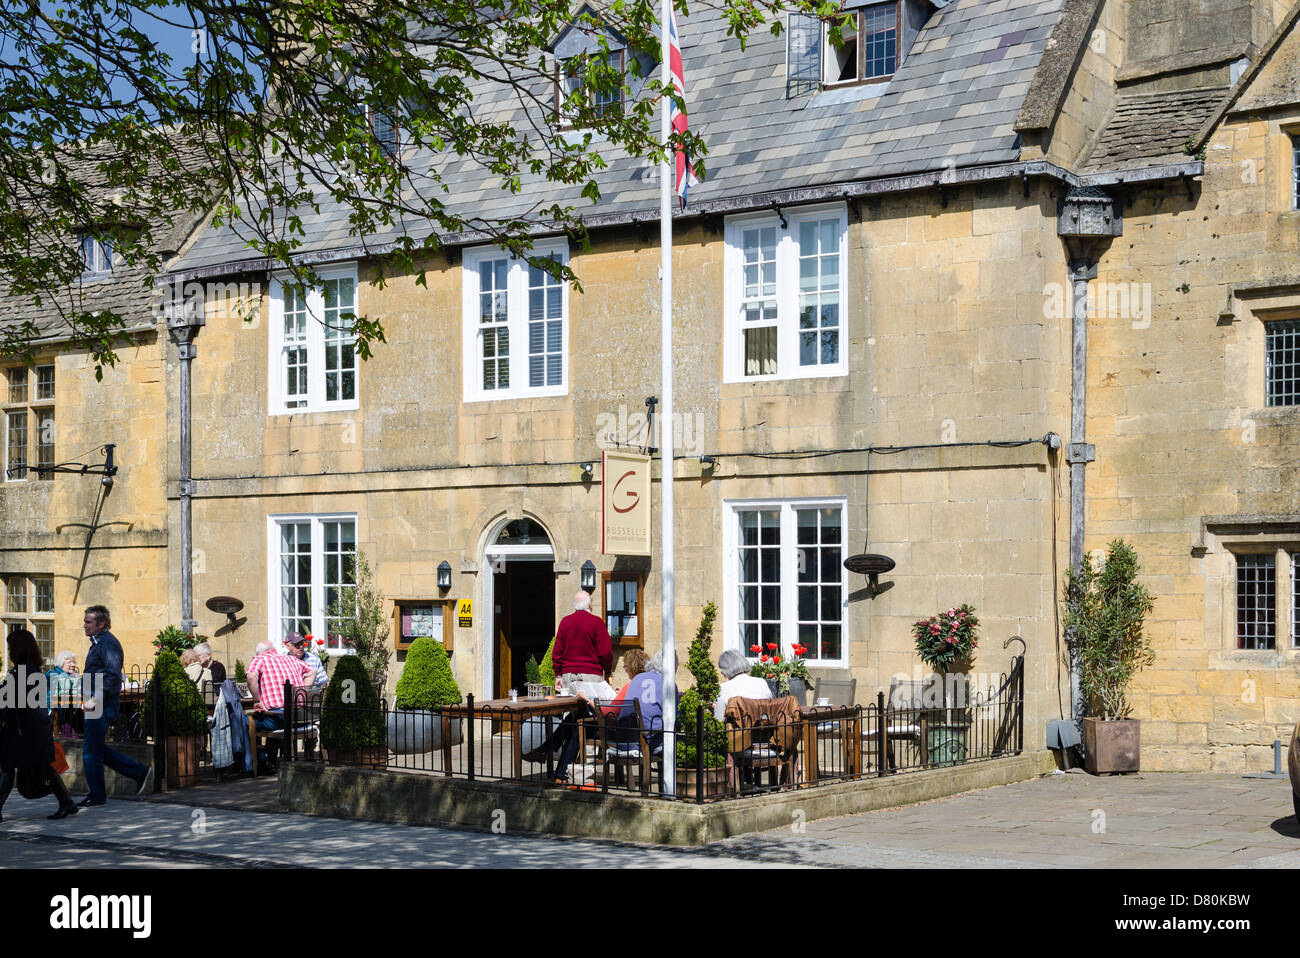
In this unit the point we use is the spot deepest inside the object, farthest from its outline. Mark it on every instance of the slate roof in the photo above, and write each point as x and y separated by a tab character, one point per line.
953	102
1152	128
126	291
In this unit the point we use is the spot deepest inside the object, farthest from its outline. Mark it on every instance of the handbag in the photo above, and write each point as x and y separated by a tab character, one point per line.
32	783
60	763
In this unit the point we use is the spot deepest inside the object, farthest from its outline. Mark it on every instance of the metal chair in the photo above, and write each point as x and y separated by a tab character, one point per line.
905	714
641	754
840	693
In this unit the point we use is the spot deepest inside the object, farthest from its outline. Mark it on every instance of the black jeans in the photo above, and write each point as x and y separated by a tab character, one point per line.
564	740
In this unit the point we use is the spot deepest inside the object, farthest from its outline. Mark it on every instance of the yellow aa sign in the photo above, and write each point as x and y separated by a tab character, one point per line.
465	613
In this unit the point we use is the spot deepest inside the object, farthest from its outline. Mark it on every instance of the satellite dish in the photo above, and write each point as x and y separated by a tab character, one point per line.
871	565
226	605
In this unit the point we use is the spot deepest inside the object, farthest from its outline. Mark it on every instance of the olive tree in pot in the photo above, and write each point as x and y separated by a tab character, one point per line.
185	719
352	723
1104	611
426	684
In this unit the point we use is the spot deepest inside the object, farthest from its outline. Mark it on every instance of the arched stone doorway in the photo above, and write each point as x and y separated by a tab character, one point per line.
519	599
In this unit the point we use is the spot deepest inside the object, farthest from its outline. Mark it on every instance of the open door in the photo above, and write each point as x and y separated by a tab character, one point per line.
501	615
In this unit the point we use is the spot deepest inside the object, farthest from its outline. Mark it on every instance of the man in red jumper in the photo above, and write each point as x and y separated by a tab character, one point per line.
583	651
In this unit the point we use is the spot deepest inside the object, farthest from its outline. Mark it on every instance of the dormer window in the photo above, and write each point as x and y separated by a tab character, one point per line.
868	49
873	38
569	75
383	124
96	257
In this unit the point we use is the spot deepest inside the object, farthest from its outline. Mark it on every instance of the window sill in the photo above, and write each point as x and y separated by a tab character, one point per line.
821	373
842	93
339	407
550	392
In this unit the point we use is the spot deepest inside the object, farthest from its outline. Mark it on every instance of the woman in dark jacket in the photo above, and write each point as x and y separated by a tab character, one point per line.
25	737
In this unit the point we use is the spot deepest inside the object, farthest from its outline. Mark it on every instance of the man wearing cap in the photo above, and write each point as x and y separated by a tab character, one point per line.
299	646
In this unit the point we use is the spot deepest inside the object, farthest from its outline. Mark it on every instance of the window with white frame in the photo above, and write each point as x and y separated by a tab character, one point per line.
868	47
785	288
28	421
29	604
786	583
313	344
569	77
313	562
96	257
516	332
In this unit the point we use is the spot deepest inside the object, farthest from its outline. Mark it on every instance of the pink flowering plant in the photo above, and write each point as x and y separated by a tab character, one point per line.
947	638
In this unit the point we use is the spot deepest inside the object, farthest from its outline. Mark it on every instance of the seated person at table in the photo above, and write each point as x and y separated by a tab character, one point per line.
299	646
267	674
204	652
737	682
194	668
644	685
64	685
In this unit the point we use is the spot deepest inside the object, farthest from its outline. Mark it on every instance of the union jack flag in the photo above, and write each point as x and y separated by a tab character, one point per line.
685	178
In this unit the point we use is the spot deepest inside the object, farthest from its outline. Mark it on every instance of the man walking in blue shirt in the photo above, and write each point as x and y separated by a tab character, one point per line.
103	673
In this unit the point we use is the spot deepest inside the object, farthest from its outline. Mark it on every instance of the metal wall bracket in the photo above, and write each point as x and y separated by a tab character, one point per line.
186	351
186	487
1080	452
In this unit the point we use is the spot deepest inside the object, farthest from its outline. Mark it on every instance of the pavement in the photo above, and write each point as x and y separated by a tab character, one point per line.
1072	820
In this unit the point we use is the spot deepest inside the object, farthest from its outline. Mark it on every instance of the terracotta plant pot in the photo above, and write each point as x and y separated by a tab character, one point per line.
183	753
1114	746
374	757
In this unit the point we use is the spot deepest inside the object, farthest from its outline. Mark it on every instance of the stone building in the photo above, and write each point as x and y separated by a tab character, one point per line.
69	539
875	293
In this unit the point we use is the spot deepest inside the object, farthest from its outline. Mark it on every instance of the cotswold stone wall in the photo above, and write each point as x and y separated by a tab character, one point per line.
1177	410
947	340
101	546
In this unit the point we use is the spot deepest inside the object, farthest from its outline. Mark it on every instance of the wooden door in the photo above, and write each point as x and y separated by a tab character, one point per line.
501	634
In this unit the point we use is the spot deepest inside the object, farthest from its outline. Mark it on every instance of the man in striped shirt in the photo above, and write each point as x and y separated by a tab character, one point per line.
267	674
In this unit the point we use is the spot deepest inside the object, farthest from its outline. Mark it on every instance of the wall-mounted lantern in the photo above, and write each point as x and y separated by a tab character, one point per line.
588	576
444	575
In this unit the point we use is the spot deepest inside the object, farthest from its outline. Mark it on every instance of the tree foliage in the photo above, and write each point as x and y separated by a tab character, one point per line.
272	112
1104	611
358	617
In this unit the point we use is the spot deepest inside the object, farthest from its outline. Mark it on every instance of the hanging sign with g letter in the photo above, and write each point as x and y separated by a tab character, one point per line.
625	504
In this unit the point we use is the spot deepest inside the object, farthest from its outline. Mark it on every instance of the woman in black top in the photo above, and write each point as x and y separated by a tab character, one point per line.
25	737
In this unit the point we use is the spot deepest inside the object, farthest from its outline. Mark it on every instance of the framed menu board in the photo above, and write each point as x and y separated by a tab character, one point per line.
623	594
417	618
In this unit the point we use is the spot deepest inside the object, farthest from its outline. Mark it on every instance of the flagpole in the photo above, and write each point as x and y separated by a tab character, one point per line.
668	625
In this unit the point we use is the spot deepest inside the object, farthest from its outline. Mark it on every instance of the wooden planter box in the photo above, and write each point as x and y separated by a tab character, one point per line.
1110	747
712	785
183	753
373	757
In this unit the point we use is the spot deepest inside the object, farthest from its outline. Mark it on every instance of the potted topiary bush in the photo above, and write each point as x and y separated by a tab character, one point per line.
547	668
185	719
535	688
352	724
1104	611
701	774
426	684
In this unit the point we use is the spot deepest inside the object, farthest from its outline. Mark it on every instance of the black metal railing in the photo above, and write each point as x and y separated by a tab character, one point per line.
774	745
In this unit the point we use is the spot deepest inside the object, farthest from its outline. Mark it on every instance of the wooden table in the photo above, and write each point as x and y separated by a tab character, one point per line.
517	712
849	722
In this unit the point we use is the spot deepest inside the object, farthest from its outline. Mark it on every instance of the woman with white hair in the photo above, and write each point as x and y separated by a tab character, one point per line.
64	682
737	682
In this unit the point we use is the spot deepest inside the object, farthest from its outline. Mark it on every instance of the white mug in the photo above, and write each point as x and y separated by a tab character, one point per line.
823	701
